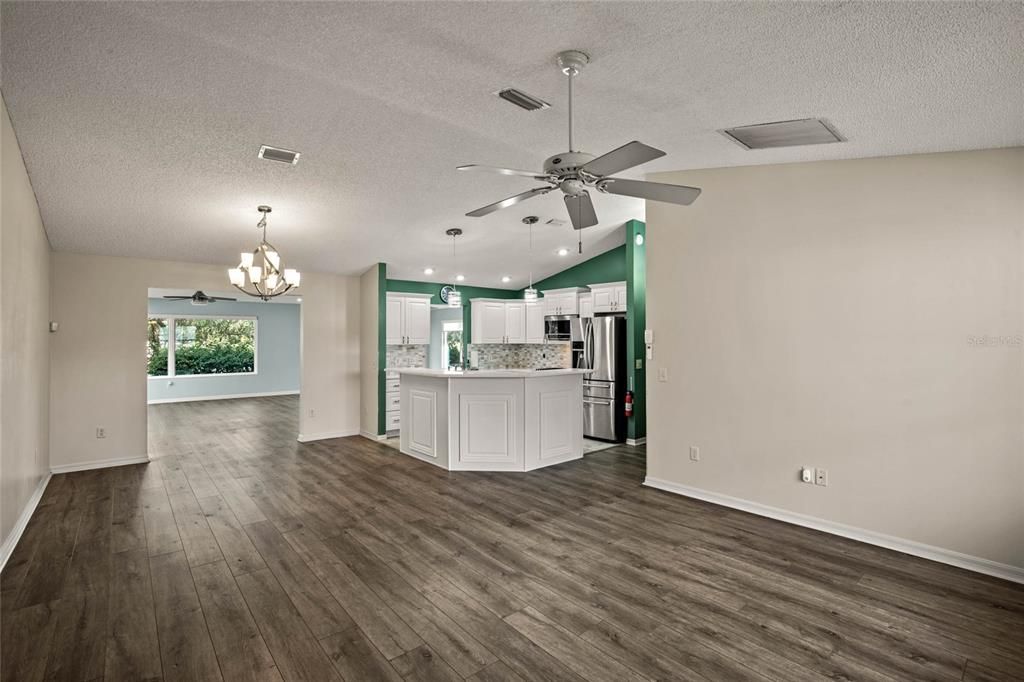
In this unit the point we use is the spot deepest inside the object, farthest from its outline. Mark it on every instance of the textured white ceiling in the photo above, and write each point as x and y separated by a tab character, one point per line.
140	122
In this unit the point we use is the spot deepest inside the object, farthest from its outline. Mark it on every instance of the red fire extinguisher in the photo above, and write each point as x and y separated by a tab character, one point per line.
629	403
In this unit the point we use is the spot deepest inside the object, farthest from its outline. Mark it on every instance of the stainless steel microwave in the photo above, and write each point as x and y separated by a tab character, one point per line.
563	328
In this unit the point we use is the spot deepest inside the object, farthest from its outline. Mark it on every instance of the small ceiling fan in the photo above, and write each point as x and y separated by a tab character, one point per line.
574	171
199	298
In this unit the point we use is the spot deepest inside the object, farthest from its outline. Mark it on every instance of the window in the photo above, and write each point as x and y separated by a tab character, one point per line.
201	346
451	345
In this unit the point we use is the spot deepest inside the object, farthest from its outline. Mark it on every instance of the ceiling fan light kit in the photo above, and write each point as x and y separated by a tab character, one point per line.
267	279
574	171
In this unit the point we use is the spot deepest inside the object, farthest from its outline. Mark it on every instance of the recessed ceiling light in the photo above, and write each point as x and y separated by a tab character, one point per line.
277	154
428	271
563	252
460	278
506	279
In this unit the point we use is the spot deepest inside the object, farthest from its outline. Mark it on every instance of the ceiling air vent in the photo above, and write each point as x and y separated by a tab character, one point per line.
522	100
277	154
783	134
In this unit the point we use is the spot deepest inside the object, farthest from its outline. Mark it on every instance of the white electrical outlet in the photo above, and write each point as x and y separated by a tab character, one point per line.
694	453
663	374
821	477
101	432
807	475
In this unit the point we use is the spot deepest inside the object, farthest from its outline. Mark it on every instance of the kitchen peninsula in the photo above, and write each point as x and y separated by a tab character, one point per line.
492	420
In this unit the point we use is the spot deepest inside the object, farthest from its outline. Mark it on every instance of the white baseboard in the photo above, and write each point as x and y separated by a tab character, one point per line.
265	394
309	437
11	541
918	549
373	436
98	464
636	441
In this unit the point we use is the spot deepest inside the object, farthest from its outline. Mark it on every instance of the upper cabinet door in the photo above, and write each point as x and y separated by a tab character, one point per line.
417	320
534	323
550	302
492	322
394	332
515	323
604	299
620	297
586	305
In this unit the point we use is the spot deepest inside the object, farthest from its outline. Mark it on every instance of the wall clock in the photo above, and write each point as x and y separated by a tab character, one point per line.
445	290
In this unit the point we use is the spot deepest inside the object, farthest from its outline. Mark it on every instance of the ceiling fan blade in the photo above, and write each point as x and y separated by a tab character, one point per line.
628	155
222	298
179	298
504	171
581	210
655	191
511	201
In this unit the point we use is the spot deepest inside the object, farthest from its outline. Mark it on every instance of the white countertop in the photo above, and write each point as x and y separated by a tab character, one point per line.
488	373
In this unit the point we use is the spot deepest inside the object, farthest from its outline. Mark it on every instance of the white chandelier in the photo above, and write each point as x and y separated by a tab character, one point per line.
263	268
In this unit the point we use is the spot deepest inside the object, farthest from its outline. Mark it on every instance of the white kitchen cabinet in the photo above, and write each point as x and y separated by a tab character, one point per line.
407	319
501	321
609	297
562	301
515	322
586	302
489	321
535	322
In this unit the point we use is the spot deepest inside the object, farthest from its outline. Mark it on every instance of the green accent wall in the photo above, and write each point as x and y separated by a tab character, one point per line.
609	266
636	323
382	278
406	286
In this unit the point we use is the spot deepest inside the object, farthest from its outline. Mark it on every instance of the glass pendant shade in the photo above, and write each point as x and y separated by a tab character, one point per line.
292	277
246	261
530	294
255	273
454	299
274	258
272	280
237	276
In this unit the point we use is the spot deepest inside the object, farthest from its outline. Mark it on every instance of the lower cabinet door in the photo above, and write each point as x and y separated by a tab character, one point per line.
422	426
487	429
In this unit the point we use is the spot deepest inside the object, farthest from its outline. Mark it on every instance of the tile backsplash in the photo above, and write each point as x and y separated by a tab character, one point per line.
521	355
407	356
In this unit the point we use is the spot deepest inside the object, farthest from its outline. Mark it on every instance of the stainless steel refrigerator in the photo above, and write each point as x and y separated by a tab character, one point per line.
604	351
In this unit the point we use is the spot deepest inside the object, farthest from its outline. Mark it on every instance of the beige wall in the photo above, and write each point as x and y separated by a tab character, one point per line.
369	285
24	341
822	314
97	375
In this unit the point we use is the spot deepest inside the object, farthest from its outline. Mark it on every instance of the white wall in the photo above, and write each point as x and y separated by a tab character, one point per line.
369	318
824	314
97	371
24	341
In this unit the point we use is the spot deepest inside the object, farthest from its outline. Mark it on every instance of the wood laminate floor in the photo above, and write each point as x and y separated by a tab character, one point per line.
239	554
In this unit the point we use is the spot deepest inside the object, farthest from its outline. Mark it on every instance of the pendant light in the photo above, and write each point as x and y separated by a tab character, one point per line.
530	294
454	296
267	278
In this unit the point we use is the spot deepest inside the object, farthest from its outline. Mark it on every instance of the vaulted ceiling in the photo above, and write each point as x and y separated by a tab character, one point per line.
140	122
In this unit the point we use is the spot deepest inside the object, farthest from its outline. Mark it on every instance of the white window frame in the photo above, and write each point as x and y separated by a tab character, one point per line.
453	326
172	334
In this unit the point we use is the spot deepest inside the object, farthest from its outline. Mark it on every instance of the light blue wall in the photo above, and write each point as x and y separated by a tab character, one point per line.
438	316
277	349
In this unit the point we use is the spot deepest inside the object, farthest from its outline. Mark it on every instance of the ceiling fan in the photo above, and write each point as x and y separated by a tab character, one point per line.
574	171
199	298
